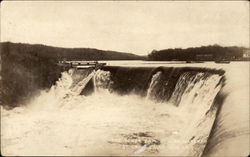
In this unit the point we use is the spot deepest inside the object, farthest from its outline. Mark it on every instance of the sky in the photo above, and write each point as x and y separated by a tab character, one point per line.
126	26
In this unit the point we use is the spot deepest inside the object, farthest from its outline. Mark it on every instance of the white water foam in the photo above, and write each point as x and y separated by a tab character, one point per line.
153	83
62	122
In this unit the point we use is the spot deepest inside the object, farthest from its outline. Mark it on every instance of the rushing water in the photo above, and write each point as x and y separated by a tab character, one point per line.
127	111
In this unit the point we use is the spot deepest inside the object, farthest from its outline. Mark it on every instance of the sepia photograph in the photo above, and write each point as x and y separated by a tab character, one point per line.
125	78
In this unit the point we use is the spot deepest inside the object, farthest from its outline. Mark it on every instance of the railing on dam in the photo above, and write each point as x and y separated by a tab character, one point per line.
81	64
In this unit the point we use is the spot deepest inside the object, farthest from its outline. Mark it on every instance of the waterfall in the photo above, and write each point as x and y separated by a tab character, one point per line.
81	84
152	87
198	100
171	104
194	95
101	80
180	87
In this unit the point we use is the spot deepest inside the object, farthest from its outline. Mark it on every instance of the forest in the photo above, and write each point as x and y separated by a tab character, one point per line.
203	53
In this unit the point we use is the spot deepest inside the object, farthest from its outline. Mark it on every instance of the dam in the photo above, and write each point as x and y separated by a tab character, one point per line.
131	109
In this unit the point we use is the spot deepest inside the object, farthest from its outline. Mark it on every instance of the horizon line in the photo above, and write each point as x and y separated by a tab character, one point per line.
183	48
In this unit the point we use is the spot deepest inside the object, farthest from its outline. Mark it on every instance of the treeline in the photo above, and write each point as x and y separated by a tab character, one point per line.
67	53
204	53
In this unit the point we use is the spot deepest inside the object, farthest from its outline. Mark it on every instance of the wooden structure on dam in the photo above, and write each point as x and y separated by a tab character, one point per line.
81	64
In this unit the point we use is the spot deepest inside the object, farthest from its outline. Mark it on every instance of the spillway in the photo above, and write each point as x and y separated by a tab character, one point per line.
170	111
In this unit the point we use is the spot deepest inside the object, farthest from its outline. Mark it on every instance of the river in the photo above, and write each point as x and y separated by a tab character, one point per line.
135	108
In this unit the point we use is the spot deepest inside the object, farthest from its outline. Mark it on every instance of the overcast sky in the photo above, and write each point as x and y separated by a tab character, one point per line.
137	27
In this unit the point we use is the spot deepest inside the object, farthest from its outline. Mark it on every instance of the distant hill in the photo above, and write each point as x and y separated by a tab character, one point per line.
204	53
67	53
